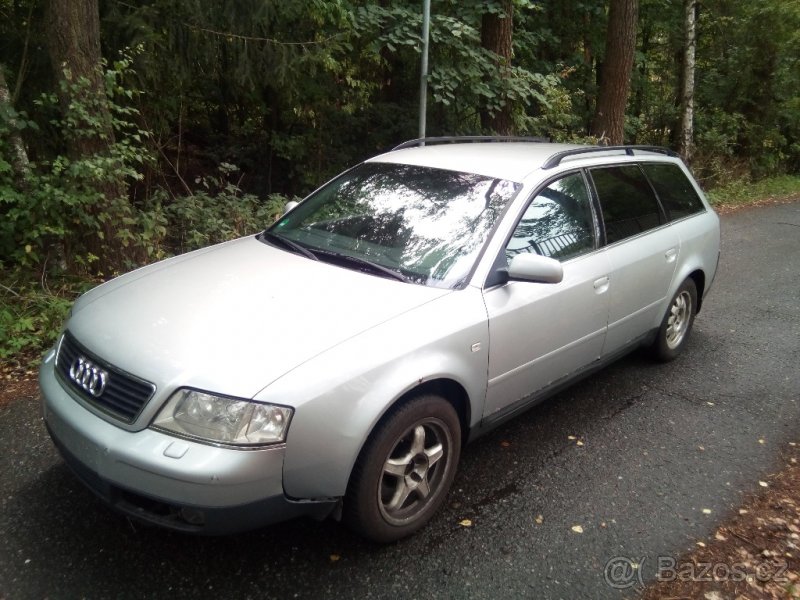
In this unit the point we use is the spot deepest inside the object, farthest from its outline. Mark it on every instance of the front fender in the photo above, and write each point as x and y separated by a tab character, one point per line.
340	395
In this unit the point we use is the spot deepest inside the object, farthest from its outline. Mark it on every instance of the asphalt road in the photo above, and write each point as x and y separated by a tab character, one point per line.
660	443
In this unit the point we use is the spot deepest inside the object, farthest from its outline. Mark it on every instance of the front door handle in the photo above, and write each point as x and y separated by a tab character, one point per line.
601	285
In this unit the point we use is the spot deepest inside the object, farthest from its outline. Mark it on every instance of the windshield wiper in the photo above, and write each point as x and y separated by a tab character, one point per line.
287	243
376	268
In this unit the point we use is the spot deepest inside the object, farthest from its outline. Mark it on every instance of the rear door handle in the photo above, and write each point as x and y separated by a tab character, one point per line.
671	254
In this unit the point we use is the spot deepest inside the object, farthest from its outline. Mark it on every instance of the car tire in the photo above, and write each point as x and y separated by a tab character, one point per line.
677	323
404	471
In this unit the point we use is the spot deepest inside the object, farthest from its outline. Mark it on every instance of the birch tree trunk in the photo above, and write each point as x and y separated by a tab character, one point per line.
686	137
19	156
615	79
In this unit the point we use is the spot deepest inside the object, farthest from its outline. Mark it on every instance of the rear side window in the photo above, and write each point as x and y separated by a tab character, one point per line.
677	194
558	222
628	203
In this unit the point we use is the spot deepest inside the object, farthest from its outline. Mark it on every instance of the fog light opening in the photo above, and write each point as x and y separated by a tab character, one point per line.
193	516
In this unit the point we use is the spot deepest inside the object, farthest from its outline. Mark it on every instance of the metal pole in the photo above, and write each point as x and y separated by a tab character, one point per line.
423	78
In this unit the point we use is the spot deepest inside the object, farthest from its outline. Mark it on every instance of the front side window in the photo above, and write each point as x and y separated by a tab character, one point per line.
558	222
677	194
424	225
628	202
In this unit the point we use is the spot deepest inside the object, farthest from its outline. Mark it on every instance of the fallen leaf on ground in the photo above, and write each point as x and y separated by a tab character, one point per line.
334	557
465	523
577	529
539	519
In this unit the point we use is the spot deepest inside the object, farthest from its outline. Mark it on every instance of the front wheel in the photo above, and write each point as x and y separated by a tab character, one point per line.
404	471
677	323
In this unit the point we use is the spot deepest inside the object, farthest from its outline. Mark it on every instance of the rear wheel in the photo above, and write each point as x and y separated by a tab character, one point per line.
677	323
404	471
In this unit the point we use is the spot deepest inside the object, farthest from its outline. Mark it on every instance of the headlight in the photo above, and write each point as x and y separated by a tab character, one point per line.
224	420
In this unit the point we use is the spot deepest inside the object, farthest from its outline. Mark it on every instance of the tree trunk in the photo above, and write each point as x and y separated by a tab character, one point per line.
686	141
73	29
496	36
19	156
642	84
615	80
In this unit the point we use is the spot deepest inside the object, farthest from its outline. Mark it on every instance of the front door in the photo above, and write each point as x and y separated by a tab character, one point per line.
540	333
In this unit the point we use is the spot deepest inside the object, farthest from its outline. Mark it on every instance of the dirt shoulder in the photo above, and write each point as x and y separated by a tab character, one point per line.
17	382
726	208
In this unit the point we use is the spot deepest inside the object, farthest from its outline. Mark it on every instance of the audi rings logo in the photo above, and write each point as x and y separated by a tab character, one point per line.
88	376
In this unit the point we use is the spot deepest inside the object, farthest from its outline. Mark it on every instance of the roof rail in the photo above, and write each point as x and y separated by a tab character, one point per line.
555	159
456	139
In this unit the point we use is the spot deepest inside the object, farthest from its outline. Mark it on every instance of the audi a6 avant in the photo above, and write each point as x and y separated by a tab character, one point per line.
336	363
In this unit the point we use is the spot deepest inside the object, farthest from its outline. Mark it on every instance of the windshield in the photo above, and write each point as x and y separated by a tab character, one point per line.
427	225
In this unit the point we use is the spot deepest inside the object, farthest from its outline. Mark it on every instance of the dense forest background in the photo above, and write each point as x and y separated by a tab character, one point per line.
135	129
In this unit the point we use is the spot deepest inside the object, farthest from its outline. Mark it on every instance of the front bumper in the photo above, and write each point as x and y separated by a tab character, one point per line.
165	480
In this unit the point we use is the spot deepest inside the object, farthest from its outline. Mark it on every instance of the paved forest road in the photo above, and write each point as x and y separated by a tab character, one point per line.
661	443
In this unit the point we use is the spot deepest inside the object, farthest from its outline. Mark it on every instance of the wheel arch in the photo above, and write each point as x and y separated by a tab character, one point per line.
699	278
377	517
447	388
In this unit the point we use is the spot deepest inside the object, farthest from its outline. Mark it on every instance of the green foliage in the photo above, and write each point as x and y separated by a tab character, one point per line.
31	313
217	212
50	211
749	86
463	75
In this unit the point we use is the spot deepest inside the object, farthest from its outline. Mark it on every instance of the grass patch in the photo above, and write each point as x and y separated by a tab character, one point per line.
741	193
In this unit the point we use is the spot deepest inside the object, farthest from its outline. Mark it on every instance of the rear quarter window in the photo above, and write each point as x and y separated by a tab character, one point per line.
676	192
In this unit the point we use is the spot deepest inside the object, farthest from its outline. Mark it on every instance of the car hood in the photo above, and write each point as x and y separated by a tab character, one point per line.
234	317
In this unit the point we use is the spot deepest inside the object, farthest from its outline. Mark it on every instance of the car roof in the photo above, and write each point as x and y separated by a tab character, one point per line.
511	160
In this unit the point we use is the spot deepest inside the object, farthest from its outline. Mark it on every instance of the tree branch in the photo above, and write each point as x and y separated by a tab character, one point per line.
249	38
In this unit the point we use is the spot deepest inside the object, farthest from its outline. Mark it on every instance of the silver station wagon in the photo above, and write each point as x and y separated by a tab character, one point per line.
336	363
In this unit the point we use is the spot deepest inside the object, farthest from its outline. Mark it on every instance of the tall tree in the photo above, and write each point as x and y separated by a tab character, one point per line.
73	28
496	36
685	145
615	77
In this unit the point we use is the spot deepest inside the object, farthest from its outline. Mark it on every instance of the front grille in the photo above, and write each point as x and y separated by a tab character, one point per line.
123	396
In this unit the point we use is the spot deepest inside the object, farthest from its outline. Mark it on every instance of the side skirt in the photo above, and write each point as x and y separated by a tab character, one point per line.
490	423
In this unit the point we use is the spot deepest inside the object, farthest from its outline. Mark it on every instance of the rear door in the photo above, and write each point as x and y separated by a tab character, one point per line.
642	252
